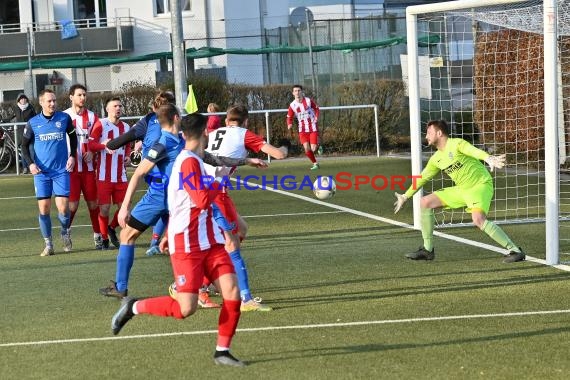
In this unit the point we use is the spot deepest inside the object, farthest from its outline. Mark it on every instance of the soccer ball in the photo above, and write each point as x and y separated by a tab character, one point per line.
324	188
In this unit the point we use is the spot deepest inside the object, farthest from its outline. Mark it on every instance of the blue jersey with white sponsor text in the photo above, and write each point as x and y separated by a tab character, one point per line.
163	153
50	141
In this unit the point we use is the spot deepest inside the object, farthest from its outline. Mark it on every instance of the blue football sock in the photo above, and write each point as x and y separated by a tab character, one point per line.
125	259
64	221
45	225
158	230
241	273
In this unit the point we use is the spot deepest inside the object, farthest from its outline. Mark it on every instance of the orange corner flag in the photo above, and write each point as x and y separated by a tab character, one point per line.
191	105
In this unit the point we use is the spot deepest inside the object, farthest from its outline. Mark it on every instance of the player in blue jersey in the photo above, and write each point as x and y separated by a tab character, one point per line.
156	168
51	164
147	130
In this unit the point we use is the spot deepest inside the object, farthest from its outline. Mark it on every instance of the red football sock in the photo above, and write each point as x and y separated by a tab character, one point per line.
94	216
311	156
228	321
163	306
103	223
71	216
115	221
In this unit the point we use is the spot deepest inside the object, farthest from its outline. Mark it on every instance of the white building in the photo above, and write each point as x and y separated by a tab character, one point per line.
120	28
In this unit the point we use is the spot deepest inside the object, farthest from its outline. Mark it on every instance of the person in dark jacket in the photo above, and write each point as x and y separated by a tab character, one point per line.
23	111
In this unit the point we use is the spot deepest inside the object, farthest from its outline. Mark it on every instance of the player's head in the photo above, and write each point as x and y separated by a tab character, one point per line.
47	100
436	129
78	95
213	107
237	115
297	91
193	126
162	98
114	107
167	115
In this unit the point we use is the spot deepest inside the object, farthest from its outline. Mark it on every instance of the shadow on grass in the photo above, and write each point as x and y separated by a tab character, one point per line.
344	350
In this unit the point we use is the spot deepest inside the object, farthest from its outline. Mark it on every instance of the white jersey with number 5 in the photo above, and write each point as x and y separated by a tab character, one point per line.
233	142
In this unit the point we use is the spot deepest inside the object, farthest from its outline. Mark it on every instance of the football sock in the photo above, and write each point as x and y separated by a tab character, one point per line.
157	231
125	259
94	216
64	221
115	222
311	156
427	222
49	242
163	306
241	274
496	233
45	225
71	216
228	321
103	223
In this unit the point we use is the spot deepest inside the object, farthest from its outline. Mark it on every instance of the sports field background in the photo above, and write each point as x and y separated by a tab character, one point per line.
347	304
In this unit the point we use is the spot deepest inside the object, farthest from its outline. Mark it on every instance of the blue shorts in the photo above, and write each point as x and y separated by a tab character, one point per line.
150	208
51	183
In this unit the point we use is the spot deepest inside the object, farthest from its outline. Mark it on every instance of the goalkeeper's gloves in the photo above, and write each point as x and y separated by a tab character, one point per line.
400	200
497	162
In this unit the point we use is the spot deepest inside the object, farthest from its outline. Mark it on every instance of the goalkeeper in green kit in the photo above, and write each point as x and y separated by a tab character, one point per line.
473	189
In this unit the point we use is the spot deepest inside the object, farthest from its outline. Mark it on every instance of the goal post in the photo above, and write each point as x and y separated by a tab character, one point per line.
499	74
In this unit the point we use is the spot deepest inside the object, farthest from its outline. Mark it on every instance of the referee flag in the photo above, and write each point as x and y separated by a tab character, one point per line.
191	105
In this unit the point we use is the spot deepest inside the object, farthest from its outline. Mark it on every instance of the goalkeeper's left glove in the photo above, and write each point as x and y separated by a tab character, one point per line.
496	161
400	200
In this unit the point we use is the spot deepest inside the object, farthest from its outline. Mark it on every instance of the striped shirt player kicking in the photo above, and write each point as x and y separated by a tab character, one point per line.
196	246
306	111
83	177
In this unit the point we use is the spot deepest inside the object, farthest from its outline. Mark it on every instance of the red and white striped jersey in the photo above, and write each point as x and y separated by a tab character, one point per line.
233	142
191	227
111	166
307	113
83	124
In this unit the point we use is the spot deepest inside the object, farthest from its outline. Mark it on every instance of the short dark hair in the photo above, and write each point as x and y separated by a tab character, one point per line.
45	91
237	113
75	87
112	99
193	125
297	86
440	125
166	113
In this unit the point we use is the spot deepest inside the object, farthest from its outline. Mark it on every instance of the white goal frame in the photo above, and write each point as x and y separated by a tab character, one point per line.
551	81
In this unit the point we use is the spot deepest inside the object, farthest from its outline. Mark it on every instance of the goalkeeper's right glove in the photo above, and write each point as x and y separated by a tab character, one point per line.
400	200
496	161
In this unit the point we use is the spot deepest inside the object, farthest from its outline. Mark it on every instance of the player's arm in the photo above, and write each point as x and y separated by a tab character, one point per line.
290	116
72	135
493	161
201	194
210	159
137	132
430	171
94	137
27	140
256	143
316	110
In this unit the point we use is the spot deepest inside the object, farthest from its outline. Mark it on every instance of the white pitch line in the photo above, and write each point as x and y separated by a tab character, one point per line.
245	216
294	327
405	225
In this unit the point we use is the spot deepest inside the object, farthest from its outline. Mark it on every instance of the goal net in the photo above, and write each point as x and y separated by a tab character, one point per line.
483	72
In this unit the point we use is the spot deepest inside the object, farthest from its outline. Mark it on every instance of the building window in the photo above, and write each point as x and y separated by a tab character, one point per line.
163	6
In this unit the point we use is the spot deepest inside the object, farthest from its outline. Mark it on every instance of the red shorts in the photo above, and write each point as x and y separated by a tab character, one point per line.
228	209
189	268
82	182
108	191
310	137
